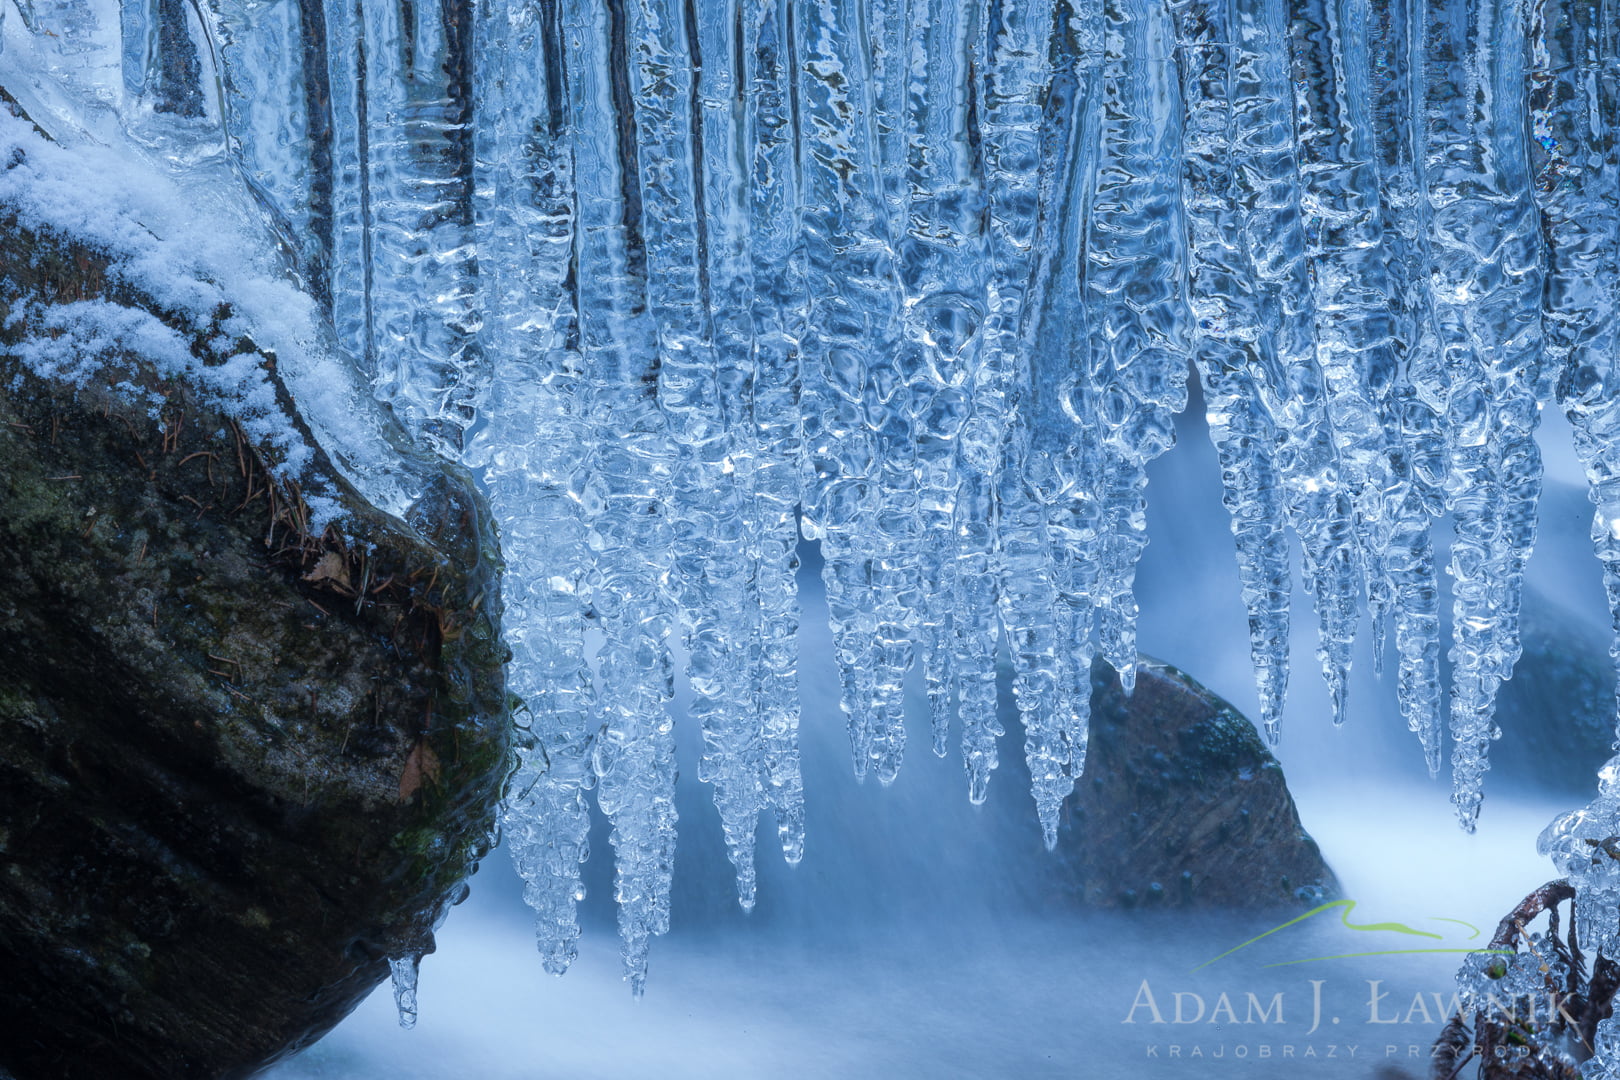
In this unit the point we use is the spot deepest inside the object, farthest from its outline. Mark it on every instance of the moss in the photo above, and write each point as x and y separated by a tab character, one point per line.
1224	743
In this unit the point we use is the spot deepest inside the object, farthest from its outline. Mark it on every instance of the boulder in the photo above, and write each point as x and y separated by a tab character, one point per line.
1181	804
246	757
1557	712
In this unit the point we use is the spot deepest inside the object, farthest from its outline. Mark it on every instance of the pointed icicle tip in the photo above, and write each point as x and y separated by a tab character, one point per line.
745	880
1467	810
1271	705
1341	698
555	957
792	846
978	785
1049	835
403	971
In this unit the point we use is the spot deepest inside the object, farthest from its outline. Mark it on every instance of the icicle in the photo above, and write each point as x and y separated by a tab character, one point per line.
1488	317
1135	276
1013	48
528	453
940	254
348	260
974	629
1573	97
354	130
1409	564
1416	466
626	496
422	311
137	43
403	971
1074	517
1219	74
276	101
1053	461
1339	196
1028	600
848	346
1319	507
1028	483
893	539
776	321
705	366
1289	379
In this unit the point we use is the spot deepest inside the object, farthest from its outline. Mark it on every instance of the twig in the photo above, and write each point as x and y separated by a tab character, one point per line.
1512	927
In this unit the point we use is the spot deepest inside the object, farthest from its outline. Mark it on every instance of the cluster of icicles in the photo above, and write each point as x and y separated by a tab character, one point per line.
923	280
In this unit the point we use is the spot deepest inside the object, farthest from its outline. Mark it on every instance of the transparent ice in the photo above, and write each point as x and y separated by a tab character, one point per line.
403	971
921	280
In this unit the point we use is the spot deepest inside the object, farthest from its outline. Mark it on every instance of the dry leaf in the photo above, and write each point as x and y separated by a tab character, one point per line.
332	567
422	764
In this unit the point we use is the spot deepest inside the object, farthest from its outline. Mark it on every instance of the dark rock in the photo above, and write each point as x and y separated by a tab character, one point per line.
1557	712
1181	804
241	763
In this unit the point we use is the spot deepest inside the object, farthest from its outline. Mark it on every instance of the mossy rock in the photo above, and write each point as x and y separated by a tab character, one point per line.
243	762
1181	805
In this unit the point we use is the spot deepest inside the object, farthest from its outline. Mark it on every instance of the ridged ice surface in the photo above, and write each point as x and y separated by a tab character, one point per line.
924	281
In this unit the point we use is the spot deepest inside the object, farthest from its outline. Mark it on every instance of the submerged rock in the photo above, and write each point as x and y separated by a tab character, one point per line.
244	758
1181	804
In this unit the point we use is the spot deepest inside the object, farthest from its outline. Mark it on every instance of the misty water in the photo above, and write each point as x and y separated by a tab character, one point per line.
922	936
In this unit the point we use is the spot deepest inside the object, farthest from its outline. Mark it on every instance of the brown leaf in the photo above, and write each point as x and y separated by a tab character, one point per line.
422	764
333	568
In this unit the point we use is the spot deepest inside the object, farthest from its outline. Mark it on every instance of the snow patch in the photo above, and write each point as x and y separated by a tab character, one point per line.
196	269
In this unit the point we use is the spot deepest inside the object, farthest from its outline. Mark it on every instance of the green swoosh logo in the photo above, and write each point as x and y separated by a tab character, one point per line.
1345	907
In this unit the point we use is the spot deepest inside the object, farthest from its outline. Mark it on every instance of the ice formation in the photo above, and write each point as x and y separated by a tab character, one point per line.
924	281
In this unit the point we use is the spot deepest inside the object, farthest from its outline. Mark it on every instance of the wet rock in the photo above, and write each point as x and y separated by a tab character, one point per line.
1557	712
243	759
1181	804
